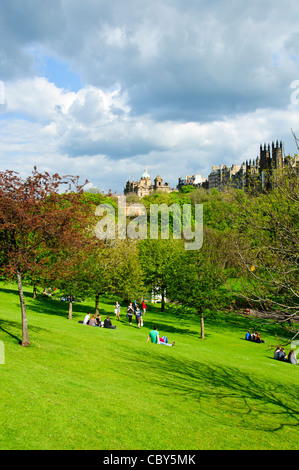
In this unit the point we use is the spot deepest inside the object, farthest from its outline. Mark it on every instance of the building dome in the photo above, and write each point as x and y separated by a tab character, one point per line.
145	174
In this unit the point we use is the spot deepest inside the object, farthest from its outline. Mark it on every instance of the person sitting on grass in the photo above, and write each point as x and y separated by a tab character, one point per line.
248	336
155	338
86	319
108	324
281	355
258	339
292	358
92	321
253	336
276	352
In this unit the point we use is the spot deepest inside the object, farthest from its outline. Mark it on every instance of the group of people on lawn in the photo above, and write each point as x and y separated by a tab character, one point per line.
135	310
132	309
279	352
97	321
154	336
255	337
280	355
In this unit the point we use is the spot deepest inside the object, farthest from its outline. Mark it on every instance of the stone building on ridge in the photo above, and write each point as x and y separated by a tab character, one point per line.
144	186
194	180
252	172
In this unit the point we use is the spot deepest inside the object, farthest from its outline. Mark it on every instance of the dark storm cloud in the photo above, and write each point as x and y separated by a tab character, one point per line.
21	25
192	60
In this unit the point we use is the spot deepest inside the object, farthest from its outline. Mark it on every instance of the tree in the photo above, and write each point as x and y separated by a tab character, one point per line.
187	189
270	256
127	276
95	271
196	280
113	268
71	275
156	256
36	222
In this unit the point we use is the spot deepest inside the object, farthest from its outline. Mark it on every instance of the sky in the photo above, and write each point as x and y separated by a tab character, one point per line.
104	90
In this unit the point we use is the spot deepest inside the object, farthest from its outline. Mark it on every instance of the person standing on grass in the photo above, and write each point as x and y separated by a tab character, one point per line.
117	309
155	338
137	313
144	307
138	317
130	312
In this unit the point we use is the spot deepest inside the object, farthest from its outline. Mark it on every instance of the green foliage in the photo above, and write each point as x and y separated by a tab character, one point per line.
97	199
187	189
269	245
251	235
158	258
196	282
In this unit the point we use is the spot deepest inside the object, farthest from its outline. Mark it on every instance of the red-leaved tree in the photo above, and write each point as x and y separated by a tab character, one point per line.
39	216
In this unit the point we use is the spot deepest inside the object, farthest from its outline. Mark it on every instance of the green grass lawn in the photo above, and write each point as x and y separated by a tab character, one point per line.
81	387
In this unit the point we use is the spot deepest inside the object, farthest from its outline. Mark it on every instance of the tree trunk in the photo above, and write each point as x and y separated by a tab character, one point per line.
163	302
34	291
70	308
25	333
202	327
97	304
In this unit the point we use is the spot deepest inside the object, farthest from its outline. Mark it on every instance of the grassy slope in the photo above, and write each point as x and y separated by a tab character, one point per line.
81	387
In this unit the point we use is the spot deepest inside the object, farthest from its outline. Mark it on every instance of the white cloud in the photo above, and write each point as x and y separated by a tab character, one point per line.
94	135
36	98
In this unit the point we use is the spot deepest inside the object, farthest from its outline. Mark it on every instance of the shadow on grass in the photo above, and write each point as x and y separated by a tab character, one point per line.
227	394
167	329
48	305
59	308
14	329
227	319
9	327
15	292
249	401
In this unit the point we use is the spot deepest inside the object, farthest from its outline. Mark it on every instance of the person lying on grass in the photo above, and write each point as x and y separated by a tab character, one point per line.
155	337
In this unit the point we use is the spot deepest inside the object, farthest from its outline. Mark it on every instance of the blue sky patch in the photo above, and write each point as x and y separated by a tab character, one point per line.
55	71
